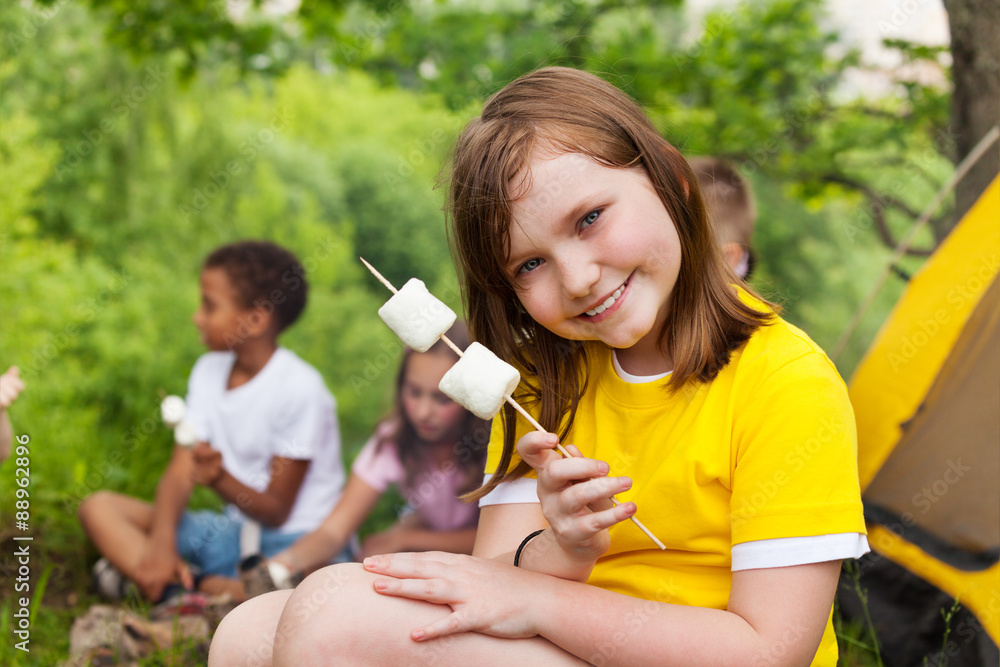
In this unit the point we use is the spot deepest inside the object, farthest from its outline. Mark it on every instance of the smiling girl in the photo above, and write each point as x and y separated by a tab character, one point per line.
587	259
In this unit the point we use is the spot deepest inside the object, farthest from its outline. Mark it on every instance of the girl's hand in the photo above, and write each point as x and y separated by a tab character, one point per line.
11	385
575	496
207	464
485	595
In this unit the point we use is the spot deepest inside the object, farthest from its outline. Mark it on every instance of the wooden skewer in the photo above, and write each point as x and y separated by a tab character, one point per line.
518	408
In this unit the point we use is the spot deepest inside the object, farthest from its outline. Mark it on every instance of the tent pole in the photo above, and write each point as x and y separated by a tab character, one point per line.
904	244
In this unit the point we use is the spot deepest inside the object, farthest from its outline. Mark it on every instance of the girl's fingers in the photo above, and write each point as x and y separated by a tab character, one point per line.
450	625
578	496
576	469
537	448
409	565
437	591
585	526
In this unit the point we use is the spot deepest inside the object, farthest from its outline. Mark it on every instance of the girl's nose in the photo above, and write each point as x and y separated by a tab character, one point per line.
579	276
422	409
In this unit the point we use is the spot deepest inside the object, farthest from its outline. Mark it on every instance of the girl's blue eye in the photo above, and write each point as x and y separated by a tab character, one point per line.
590	218
530	265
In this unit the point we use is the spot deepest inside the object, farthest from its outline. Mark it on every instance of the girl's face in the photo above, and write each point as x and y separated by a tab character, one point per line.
435	417
595	256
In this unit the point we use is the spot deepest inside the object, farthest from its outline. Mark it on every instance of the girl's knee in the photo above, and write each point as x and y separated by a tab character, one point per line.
246	635
332	609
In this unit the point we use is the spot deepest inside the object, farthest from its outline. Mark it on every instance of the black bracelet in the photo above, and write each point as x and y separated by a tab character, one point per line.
524	542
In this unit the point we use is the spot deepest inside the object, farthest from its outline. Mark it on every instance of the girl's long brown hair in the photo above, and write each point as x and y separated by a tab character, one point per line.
569	111
468	452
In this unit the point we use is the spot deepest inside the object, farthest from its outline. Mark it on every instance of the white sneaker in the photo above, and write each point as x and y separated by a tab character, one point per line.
111	583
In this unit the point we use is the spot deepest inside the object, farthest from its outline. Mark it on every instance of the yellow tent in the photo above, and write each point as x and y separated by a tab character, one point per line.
927	400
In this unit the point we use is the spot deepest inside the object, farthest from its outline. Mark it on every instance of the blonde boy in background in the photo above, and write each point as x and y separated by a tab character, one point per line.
731	210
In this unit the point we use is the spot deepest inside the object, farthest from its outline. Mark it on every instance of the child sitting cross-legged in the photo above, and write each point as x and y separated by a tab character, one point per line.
268	440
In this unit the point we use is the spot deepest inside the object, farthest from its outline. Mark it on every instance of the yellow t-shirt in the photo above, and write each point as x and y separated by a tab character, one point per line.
766	450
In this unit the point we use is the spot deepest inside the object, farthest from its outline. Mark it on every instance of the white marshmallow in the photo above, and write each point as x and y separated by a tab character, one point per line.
480	381
172	410
417	316
185	435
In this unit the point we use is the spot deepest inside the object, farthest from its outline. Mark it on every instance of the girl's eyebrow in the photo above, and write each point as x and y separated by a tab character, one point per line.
570	218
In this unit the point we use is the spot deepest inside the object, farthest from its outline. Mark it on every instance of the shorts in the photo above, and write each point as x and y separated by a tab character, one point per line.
210	541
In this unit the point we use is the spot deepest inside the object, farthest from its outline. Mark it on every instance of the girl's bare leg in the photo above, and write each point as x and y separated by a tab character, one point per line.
336	617
246	635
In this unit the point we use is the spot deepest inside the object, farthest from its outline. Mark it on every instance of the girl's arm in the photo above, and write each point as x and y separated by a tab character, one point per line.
776	616
412	534
318	547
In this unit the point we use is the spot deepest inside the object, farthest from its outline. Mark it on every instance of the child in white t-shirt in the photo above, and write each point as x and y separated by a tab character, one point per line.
268	439
431	448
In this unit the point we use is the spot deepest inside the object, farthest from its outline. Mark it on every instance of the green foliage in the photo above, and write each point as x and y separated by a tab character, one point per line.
325	130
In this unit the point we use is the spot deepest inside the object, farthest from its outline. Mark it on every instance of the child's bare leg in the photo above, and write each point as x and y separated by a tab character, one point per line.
119	527
246	635
335	616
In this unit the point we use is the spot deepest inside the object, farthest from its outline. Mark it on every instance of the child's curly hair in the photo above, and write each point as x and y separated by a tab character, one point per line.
264	275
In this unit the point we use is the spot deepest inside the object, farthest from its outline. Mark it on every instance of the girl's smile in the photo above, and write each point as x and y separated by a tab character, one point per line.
607	307
594	255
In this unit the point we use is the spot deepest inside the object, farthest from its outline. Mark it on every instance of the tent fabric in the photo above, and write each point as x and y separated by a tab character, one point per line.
958	500
892	380
927	401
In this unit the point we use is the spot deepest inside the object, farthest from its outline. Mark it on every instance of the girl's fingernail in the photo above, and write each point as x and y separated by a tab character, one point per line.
603	468
418	634
626	483
373	561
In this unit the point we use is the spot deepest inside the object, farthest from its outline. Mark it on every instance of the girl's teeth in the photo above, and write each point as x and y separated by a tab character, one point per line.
607	304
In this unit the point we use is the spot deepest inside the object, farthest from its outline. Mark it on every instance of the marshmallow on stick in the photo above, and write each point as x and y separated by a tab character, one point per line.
483	383
173	409
480	381
417	316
